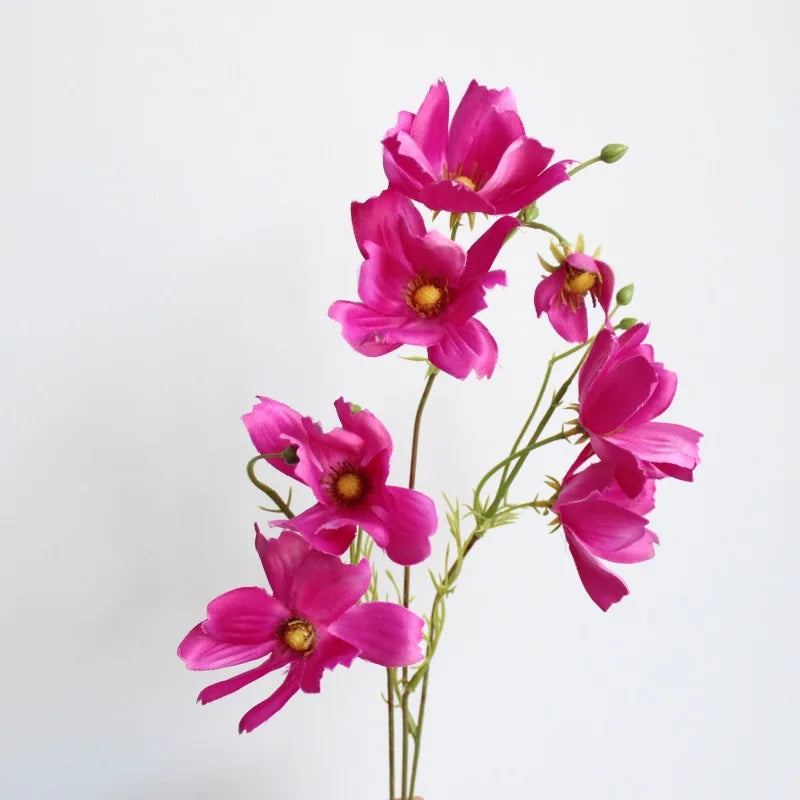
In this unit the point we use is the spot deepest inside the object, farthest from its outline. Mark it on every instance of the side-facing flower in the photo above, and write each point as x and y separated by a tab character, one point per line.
562	293
309	623
600	521
621	389
346	469
417	287
484	162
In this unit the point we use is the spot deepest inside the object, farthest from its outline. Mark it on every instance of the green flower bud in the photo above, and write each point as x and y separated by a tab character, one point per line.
627	322
625	295
528	214
289	455
613	152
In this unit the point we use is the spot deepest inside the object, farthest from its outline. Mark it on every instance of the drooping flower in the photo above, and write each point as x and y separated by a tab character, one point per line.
621	389
417	287
601	521
485	162
562	293
309	623
346	469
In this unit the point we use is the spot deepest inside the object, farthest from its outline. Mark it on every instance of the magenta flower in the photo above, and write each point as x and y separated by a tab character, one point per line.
417	287
621	389
601	521
346	469
562	293
485	162
309	623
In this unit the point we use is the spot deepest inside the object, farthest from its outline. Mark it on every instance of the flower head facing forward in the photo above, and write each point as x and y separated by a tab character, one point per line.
309	623
347	469
483	162
621	389
417	287
562	293
600	521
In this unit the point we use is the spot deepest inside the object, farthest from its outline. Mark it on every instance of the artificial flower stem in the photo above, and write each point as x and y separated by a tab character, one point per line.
390	705
584	164
269	491
540	226
412	478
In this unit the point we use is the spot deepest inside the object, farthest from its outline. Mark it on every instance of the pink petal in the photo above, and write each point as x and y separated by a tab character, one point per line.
602	525
376	220
324	587
661	442
247	615
275	702
272	427
385	633
628	470
453	196
199	651
470	298
330	652
604	587
464	349
429	128
640	550
547	292
578	486
606	293
383	281
363	328
616	394
367	426
582	262
484	125
409	166
410	521
519	180
571	324
482	254
659	401
322	528
276	660
280	557
604	345
436	256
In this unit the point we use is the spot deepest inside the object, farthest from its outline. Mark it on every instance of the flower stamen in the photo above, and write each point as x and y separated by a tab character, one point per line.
427	296
298	635
346	484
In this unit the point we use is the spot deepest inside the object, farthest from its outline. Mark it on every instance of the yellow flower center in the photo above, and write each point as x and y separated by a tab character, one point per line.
427	296
298	635
468	182
579	281
349	487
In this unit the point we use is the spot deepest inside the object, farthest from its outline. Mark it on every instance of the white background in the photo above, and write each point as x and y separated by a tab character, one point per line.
176	179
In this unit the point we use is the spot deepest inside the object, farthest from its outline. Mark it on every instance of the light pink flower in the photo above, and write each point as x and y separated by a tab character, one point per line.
485	162
621	389
309	623
346	469
601	521
562	294
417	287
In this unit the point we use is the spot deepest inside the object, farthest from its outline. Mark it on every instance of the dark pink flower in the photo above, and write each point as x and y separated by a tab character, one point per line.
621	389
346	469
601	521
562	293
485	162
417	287
309	623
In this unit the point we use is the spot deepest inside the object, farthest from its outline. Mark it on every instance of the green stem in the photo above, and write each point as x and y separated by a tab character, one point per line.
584	164
390	704
540	226
268	490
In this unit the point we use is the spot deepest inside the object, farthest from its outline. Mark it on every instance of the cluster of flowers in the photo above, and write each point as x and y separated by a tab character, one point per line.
419	287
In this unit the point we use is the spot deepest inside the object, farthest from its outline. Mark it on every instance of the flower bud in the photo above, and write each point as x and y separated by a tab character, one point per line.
528	214
613	152
625	295
289	455
627	322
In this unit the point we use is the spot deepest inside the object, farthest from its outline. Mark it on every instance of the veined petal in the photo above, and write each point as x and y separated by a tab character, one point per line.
410	521
602	525
324	587
247	615
385	633
409	160
547	292
606	293
661	442
435	255
659	401
272	427
603	586
276	660
259	714
571	324
383	280
628	470
330	652
604	345
376	220
578	486
280	557
639	550
364	329
322	528
453	196
199	651
482	254
429	128
365	425
464	349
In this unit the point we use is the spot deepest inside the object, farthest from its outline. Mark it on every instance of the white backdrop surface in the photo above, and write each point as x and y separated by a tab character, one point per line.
174	221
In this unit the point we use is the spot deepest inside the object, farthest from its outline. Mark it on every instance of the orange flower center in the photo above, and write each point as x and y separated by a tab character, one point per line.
346	484
298	635
427	296
579	281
